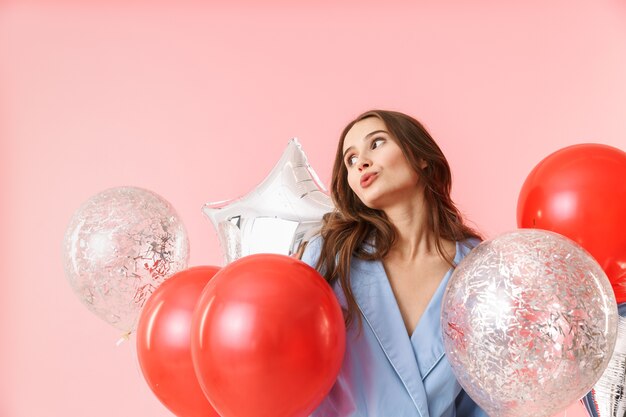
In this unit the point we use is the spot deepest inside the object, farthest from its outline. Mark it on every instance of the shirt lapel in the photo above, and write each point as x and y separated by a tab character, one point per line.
378	305
427	339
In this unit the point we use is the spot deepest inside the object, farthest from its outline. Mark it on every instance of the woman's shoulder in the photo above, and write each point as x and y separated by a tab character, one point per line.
465	246
471	242
312	250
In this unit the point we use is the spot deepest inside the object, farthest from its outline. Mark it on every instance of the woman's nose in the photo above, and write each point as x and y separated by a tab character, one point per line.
364	163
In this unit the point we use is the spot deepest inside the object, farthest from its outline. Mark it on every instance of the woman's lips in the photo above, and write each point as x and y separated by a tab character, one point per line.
367	179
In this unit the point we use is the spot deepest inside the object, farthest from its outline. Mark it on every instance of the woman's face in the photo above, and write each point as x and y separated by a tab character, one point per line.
378	172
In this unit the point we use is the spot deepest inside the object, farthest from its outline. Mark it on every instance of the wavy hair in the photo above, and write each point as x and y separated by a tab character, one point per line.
352	223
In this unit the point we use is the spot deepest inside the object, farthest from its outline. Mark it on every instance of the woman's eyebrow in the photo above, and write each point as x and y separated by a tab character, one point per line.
373	133
369	135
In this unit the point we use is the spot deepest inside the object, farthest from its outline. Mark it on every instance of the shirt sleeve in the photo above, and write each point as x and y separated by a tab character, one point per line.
312	251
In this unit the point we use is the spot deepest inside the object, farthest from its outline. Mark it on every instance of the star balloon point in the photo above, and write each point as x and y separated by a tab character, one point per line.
277	216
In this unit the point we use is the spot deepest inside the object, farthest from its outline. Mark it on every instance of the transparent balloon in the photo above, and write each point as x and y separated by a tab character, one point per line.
529	323
120	245
278	216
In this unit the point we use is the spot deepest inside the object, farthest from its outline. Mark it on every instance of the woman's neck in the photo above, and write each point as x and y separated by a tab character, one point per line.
413	238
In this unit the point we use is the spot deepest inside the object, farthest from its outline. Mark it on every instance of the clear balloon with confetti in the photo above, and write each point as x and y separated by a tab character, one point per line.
119	246
529	323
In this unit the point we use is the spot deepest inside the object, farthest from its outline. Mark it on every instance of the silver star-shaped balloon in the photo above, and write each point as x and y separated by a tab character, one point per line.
278	215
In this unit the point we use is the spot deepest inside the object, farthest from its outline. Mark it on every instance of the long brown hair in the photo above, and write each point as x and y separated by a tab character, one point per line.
352	223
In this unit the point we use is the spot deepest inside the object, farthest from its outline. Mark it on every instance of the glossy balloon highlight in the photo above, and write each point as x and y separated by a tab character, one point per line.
164	343
580	192
268	338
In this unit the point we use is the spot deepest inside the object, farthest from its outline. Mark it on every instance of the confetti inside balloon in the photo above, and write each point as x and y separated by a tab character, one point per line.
120	245
529	323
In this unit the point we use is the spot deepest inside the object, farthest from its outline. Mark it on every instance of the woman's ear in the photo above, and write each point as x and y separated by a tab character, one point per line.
423	163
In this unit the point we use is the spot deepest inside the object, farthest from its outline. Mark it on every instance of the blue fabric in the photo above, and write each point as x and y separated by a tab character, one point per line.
386	373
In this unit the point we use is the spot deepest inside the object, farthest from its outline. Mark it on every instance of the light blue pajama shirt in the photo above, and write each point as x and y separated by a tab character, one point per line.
386	373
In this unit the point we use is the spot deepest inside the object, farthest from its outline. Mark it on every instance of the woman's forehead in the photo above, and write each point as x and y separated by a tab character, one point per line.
359	131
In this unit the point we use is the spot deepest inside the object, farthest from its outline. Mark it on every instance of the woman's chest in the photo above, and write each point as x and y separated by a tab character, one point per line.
413	287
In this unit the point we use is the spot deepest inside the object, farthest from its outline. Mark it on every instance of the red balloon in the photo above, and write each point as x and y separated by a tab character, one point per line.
163	342
268	338
580	192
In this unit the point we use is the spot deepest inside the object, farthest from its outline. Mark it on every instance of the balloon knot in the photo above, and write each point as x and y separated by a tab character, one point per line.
124	338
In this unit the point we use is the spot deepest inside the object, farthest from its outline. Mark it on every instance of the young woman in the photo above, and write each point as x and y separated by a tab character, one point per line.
388	250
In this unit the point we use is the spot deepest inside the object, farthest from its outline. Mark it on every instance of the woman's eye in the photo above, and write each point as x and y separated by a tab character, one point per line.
377	142
351	160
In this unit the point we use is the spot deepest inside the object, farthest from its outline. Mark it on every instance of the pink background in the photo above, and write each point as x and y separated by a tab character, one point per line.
197	102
